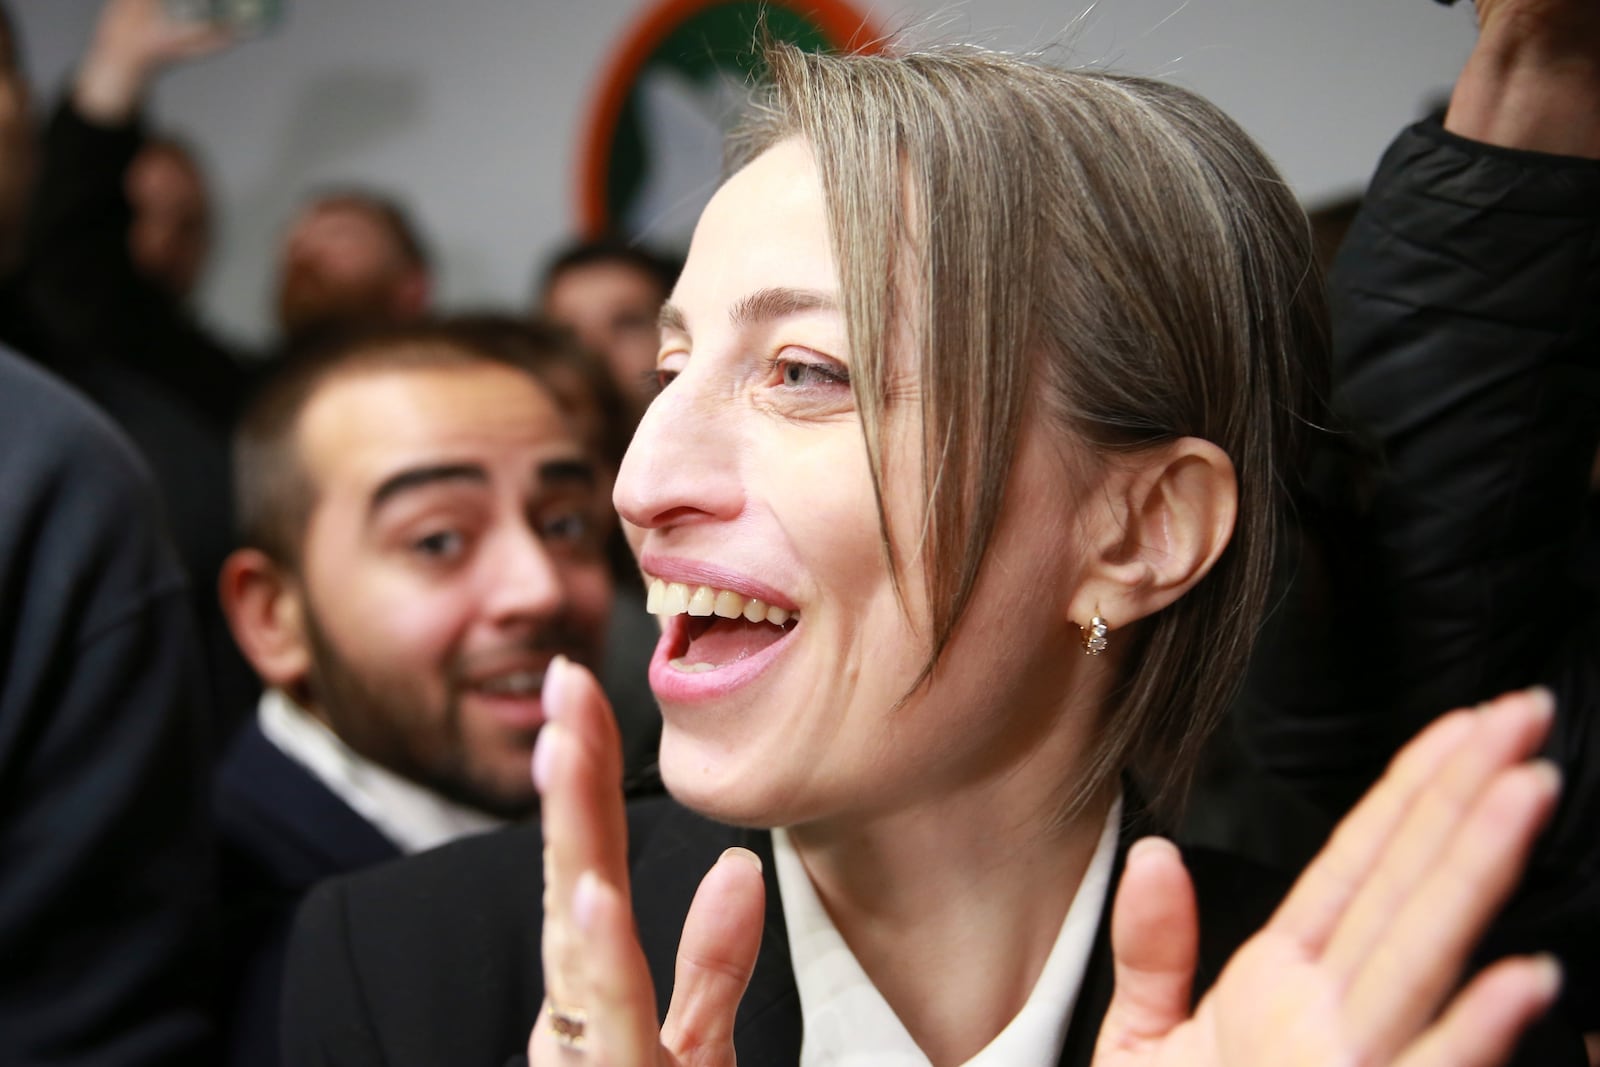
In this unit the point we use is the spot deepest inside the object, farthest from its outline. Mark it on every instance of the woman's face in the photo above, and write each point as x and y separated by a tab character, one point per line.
748	494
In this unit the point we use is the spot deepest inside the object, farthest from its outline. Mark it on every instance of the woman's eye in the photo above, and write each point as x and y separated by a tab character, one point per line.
660	378
804	373
442	544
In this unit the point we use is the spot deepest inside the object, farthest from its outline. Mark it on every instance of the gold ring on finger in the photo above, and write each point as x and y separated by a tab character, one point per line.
567	1024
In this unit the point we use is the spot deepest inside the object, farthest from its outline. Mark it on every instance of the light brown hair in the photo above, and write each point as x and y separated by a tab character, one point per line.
1110	252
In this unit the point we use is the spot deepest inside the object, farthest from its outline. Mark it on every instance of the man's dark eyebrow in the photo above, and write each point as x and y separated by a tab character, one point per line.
417	477
561	473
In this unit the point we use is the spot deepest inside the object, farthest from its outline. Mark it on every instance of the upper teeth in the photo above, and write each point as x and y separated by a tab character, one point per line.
676	598
521	683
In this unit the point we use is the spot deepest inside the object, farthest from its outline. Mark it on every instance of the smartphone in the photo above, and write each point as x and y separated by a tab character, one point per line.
242	17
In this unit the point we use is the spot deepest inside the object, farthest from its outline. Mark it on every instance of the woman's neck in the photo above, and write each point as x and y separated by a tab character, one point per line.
952	908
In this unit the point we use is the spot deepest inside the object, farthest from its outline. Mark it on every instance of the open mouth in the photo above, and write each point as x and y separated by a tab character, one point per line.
721	627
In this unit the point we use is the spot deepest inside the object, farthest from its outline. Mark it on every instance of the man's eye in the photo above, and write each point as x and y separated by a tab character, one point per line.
443	544
569	528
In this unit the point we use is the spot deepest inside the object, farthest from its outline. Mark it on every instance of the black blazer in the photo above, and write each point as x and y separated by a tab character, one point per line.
436	959
281	831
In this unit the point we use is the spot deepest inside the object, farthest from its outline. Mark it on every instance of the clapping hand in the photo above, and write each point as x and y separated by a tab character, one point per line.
599	993
1360	962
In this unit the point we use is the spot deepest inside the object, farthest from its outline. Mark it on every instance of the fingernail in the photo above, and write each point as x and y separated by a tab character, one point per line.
744	855
1549	774
550	694
1543	699
1549	971
544	757
1148	846
586	900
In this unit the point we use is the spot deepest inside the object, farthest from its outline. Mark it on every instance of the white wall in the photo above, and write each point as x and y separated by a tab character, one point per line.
471	108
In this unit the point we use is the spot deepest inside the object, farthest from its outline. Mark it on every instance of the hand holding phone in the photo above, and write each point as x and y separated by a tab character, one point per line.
238	17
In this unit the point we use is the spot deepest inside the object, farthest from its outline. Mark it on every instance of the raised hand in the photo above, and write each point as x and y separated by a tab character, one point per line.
1358	962
133	40
598	990
1533	79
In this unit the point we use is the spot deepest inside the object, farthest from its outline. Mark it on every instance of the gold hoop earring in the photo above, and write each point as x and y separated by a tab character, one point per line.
1094	636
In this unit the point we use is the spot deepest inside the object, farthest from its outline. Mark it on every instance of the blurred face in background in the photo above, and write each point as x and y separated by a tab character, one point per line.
171	233
17	150
342	263
611	307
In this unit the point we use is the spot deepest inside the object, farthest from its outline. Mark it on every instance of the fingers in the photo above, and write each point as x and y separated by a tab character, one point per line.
1392	907
1504	733
1402	983
1318	899
1464	747
578	769
1155	938
1482	1025
715	959
612	990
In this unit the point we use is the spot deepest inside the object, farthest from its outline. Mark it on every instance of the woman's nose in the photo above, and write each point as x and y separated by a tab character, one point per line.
682	465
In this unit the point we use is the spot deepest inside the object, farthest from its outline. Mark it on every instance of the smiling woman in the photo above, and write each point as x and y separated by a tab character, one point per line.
974	366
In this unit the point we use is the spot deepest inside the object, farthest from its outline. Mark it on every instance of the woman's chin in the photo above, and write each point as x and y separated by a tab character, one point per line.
719	791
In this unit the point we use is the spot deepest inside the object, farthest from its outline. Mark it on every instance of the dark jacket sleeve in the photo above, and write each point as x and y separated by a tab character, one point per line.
82	282
1466	305
327	1017
106	885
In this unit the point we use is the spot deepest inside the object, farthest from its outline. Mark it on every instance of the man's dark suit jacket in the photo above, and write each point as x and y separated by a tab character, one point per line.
281	831
436	960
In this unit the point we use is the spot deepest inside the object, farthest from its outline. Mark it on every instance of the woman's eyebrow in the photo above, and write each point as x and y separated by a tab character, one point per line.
672	319
763	305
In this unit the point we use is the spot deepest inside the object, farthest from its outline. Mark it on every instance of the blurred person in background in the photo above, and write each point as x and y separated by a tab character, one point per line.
106	878
608	293
587	393
107	887
351	256
170	236
118	238
423	530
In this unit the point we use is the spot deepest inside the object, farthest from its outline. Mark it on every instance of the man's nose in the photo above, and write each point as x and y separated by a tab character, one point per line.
524	582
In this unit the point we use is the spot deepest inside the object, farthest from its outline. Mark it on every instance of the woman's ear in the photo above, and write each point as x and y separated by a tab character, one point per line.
1168	515
263	605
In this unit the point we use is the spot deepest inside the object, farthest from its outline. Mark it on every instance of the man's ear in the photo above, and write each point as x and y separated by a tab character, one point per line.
263	604
1168	514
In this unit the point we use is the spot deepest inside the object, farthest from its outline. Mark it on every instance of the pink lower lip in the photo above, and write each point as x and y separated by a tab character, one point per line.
673	686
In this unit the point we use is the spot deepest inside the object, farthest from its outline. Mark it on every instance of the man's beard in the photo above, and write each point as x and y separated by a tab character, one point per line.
308	302
386	722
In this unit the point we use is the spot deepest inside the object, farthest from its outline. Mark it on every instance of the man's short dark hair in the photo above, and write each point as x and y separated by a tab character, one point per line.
10	57
273	493
390	213
659	267
546	347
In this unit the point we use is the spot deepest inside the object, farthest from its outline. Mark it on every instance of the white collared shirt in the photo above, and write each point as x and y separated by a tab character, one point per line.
846	1021
412	816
